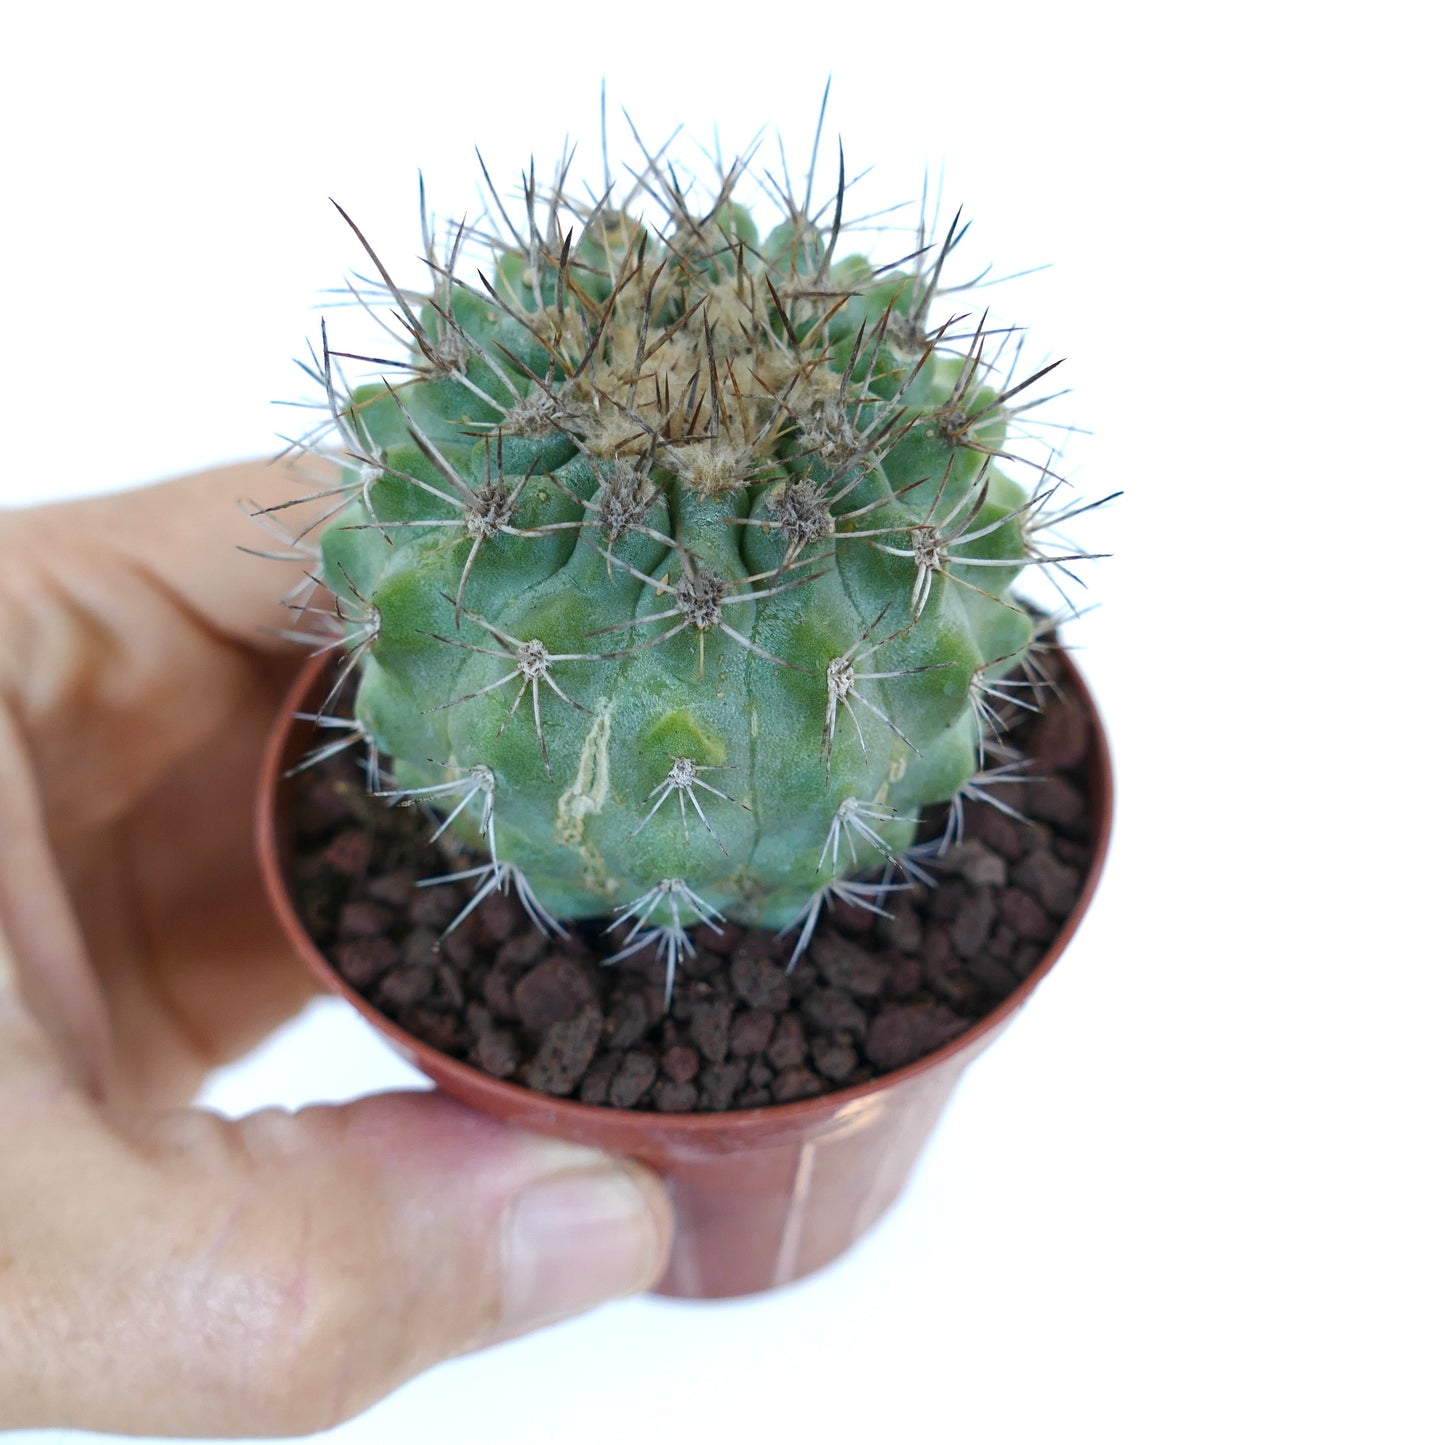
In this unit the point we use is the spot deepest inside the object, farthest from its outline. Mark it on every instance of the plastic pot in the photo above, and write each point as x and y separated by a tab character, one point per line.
762	1196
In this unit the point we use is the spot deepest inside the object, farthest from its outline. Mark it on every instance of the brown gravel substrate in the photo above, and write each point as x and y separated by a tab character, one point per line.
870	994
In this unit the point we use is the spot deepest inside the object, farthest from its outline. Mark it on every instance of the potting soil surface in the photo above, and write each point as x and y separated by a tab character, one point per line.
743	1030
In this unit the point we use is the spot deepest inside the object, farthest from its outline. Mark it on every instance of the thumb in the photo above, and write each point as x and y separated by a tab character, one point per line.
278	1274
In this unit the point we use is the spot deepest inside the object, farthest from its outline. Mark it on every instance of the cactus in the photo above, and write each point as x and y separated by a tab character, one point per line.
673	560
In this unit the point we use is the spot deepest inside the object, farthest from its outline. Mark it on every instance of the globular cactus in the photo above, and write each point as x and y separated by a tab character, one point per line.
676	559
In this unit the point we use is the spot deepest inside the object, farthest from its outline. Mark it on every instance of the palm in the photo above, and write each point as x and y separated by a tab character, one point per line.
143	684
192	963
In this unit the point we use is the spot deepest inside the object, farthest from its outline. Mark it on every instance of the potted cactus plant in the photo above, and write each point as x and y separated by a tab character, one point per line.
670	573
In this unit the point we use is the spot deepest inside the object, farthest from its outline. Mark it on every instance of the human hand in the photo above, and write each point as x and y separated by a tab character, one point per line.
163	1270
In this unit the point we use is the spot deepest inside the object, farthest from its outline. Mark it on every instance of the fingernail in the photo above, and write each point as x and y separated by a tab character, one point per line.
574	1240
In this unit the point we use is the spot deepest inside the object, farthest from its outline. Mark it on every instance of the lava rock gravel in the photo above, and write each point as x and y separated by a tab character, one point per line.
871	994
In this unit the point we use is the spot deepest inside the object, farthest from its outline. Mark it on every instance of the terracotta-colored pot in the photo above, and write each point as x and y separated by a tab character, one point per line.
762	1196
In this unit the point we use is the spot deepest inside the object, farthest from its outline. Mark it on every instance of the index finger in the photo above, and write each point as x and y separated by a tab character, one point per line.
221	542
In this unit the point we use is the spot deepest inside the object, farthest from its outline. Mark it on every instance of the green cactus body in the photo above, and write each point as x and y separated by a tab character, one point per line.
683	563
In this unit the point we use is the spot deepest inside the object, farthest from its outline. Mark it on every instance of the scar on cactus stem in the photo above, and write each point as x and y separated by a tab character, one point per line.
709	504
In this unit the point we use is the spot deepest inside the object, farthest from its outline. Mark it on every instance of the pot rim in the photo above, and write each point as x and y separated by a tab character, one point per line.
589	1117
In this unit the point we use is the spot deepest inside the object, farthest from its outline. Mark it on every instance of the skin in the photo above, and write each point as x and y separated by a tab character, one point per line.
163	1270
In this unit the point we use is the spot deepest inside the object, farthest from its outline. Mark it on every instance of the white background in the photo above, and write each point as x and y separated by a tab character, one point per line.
1193	1195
